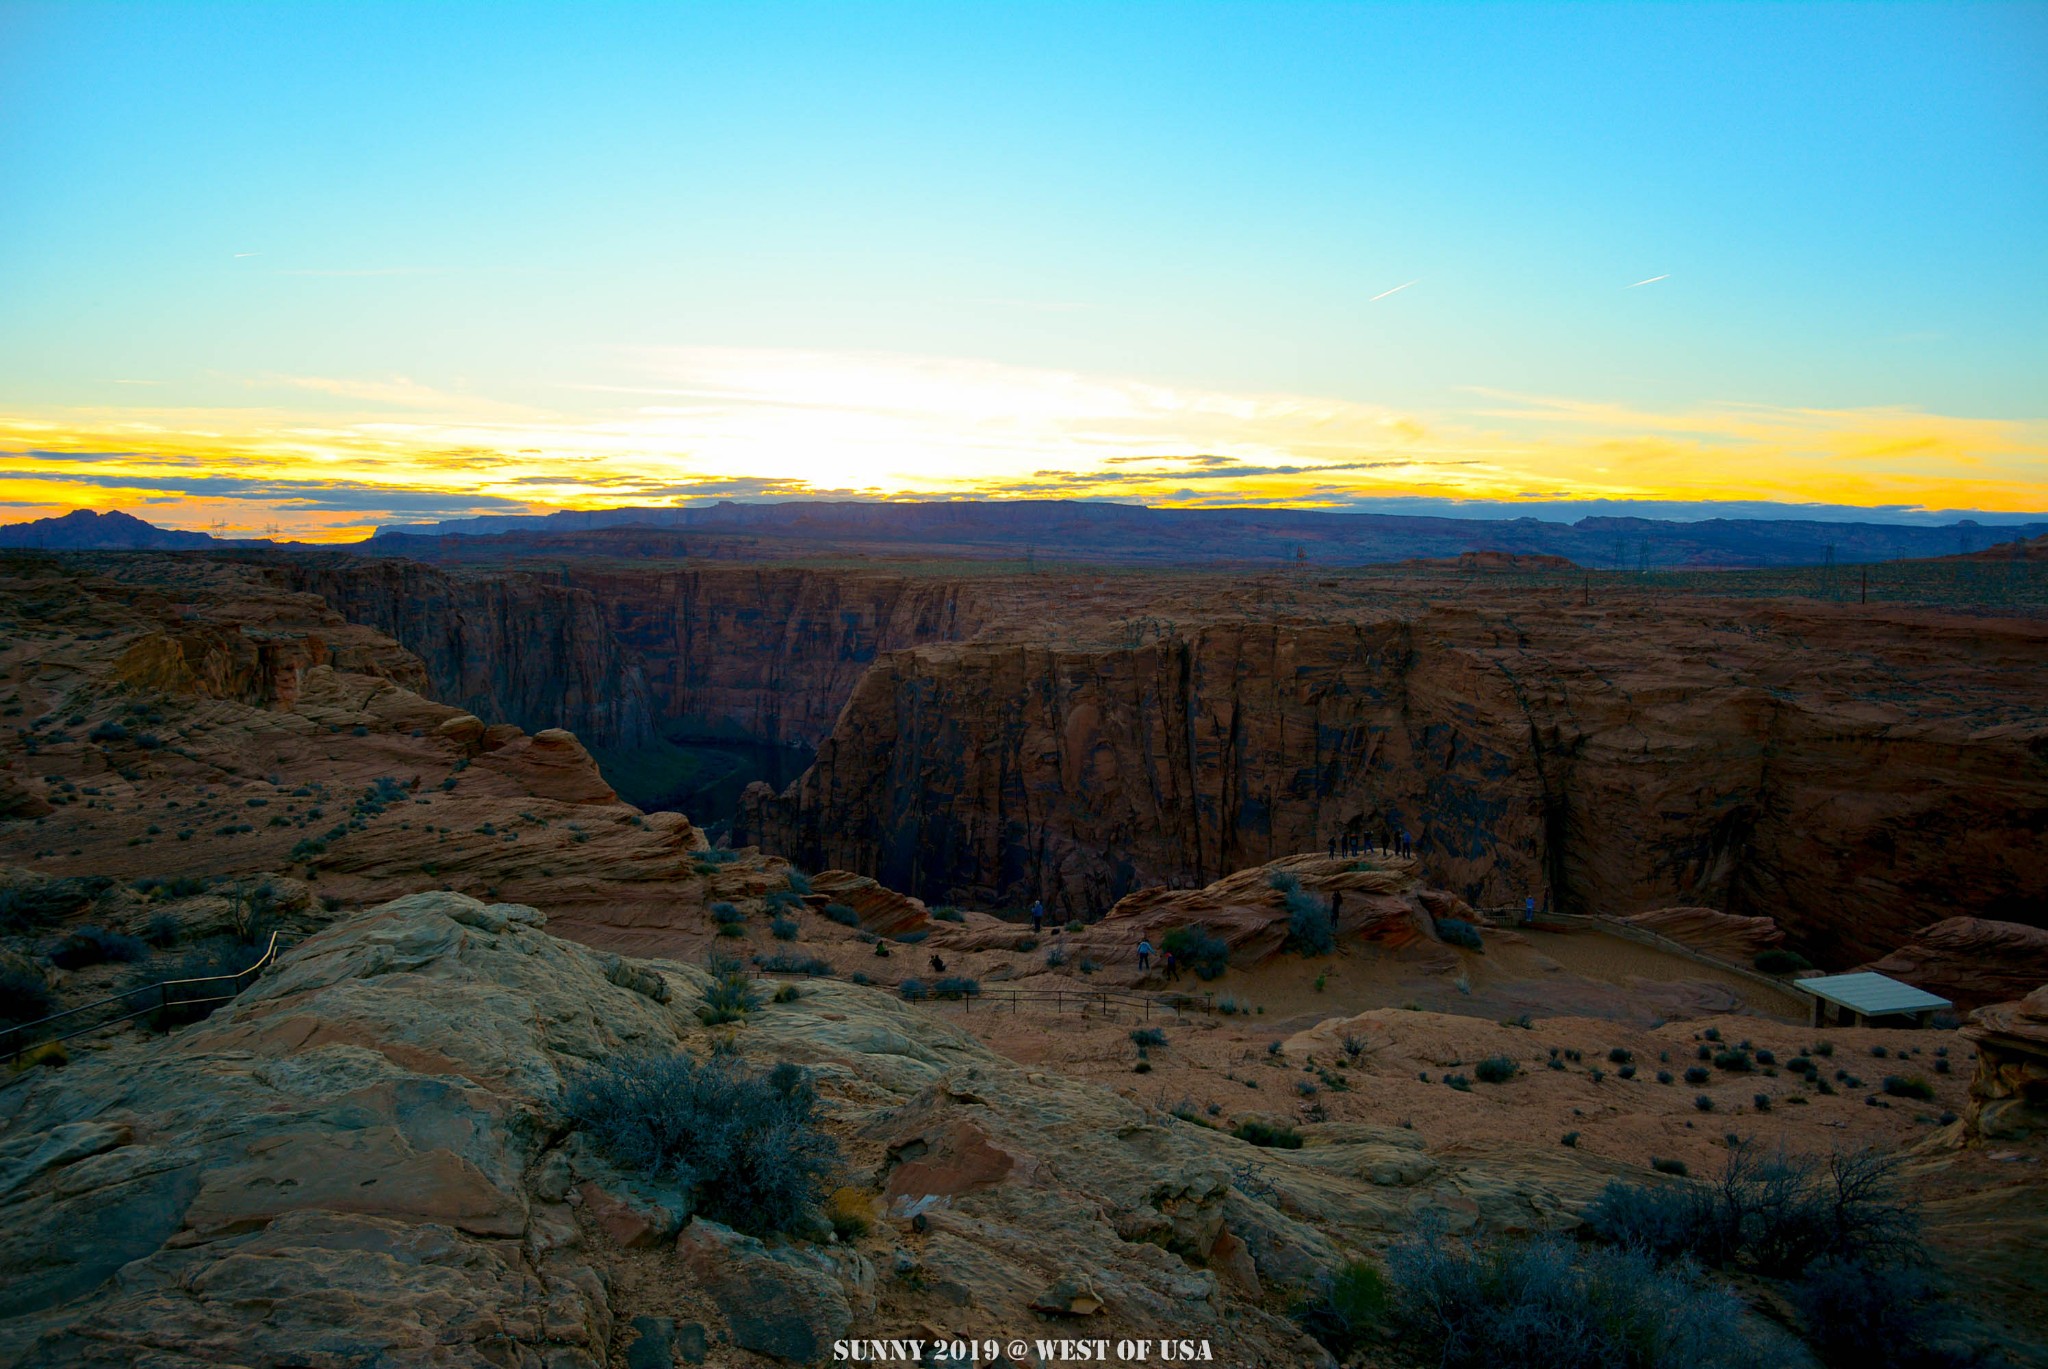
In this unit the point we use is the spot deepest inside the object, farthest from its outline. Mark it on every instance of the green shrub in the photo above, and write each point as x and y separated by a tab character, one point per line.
1778	960
913	990
1865	1316
1273	1135
841	914
949	915
788	993
1619	1056
1286	881
1207	954
1147	1036
799	883
727	914
747	1145
783	929
1669	1166
956	986
1345	1306
784	963
1570	1138
1909	1086
1697	1074
1459	1082
1736	1061
1055	957
163	929
1310	929
730	998
1496	1069
1457	932
1704	1103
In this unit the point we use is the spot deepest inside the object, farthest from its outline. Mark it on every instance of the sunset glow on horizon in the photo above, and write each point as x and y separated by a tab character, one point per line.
303	271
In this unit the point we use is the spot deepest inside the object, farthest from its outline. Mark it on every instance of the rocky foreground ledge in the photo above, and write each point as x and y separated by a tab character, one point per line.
365	1160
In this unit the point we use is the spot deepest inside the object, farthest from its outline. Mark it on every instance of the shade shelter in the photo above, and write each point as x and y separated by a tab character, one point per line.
1869	1000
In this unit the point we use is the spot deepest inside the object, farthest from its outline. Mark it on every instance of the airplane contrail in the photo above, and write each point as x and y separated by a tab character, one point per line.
1651	281
1395	291
248	254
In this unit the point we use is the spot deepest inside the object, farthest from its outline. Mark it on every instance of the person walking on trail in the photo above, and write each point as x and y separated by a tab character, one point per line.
1144	955
1172	967
1037	915
1529	910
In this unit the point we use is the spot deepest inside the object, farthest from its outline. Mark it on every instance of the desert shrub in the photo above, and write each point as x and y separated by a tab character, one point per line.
1909	1086
1457	932
956	986
1697	1075
1664	1076
108	732
1025	945
1201	950
1459	1082
1345	1306
26	907
94	945
788	993
717	855
851	1212
1862	1316
910	938
1147	1036
798	881
1776	1212
1310	929
1272	1135
1619	1056
730	998
1627	1071
163	929
1055	957
948	914
1087	965
727	914
1539	1304
1778	960
841	914
783	929
782	900
1286	881
1824	1048
24	996
1570	1138
1737	1061
782	962
747	1145
1142	1067
1496	1069
913	990
1229	1006
1663	1166
1355	1046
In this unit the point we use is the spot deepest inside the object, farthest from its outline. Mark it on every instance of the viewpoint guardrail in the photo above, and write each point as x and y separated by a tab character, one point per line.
160	997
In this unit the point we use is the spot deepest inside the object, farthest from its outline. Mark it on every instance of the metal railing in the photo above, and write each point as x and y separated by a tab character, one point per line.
160	997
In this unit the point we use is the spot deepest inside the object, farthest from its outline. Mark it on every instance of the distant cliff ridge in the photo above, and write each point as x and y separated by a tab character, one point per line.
84	530
1075	530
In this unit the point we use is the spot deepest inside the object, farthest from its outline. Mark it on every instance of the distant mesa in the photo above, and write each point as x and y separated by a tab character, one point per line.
85	530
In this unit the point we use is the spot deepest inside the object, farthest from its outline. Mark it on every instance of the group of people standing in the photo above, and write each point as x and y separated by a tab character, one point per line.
1392	842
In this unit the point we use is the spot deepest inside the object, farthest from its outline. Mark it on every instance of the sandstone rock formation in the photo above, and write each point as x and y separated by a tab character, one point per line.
367	1148
1723	935
1971	961
2009	1095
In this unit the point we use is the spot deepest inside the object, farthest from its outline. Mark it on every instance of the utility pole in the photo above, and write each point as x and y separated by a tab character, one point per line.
1866	586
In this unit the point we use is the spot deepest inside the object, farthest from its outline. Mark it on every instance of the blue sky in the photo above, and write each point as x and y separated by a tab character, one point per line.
605	249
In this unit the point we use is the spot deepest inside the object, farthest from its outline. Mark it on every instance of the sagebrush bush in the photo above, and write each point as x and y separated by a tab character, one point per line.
1541	1304
842	914
93	946
784	963
956	986
948	914
1201	950
163	929
1909	1086
1055	957
1496	1069
1865	1316
1147	1036
746	1145
24	996
913	990
798	882
1458	932
1697	1074
783	929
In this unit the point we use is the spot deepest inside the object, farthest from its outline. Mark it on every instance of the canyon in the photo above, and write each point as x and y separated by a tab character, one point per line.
1853	771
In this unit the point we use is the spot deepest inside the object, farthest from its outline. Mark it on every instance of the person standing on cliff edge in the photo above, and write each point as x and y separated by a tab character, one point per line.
1037	915
1145	955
